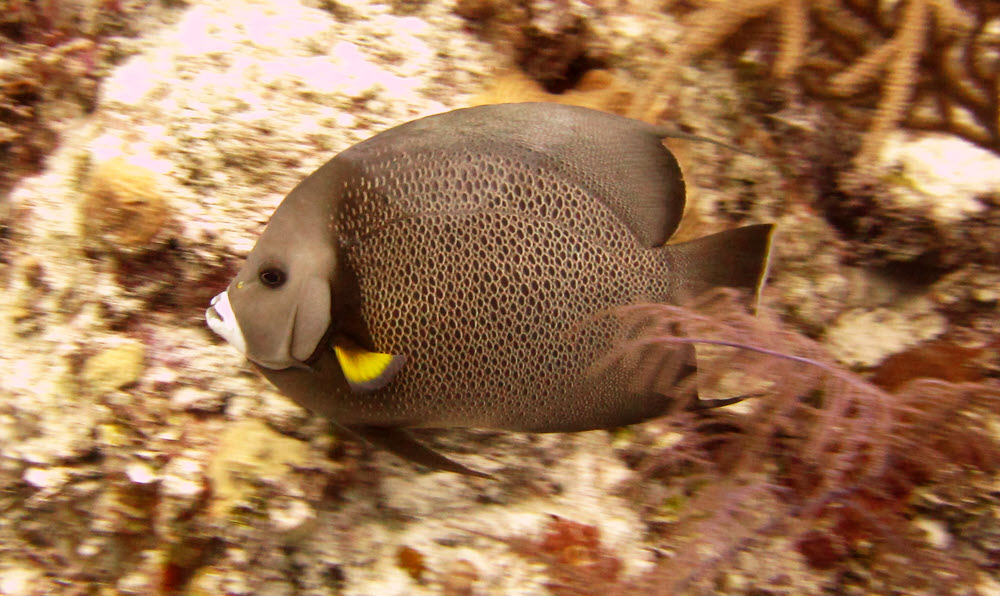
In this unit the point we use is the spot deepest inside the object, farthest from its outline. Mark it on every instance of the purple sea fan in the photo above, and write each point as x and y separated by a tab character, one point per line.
816	455
793	386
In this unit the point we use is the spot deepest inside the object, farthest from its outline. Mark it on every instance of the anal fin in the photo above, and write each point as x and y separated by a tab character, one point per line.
402	444
719	402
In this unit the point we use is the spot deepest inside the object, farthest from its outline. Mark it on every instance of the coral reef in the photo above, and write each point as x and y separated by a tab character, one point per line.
577	561
54	55
140	455
549	41
937	60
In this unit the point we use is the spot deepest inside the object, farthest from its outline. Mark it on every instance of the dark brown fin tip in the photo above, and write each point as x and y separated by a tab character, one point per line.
765	269
666	133
400	443
710	404
388	374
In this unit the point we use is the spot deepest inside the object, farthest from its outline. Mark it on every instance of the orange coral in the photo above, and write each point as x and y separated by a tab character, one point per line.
598	89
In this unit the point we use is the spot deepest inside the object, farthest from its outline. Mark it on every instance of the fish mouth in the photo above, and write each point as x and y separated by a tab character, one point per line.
220	318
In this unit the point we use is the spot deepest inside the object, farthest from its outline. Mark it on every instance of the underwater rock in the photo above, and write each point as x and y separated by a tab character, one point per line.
931	209
293	519
460	579
862	337
193	399
411	561
941	176
550	41
182	491
597	89
20	581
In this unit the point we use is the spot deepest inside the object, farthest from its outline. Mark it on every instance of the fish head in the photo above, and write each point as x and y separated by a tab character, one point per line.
278	308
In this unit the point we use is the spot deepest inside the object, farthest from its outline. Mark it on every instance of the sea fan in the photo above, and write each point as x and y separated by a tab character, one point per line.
816	455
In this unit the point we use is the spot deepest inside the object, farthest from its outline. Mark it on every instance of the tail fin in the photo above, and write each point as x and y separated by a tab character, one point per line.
734	259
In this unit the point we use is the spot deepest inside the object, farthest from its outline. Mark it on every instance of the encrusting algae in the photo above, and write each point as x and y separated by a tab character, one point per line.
114	368
123	207
248	452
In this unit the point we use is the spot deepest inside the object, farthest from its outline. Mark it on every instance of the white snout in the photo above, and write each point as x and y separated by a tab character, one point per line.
220	319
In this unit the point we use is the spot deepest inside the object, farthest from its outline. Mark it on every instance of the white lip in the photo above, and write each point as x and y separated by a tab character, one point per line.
220	319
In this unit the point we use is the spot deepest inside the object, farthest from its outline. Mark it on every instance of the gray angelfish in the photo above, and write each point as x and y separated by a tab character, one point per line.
450	272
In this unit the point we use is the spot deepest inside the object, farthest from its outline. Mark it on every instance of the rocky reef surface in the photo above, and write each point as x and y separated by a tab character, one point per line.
141	455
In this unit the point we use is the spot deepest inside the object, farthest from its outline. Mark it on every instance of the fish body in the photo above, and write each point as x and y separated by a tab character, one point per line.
453	272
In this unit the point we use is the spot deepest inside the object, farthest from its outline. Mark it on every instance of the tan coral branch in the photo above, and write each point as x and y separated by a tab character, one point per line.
902	77
794	31
951	15
864	70
705	30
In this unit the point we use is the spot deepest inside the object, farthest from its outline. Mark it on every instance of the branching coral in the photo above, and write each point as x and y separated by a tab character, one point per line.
938	59
709	27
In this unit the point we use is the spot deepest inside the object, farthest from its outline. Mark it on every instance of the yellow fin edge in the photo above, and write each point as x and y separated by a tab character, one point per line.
367	371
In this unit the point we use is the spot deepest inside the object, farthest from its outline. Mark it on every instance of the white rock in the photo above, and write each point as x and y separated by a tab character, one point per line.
140	473
862	337
194	399
18	581
46	478
943	174
291	517
988	587
935	531
182	479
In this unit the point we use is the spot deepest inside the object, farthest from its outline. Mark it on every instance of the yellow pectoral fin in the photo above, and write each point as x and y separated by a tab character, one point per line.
367	371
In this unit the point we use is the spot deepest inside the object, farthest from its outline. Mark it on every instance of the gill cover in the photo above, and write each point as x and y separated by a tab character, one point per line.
281	327
312	318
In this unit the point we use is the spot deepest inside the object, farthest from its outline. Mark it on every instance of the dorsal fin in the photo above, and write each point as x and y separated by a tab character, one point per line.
622	161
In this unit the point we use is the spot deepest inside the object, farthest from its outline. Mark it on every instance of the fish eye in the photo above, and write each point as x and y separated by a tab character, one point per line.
272	277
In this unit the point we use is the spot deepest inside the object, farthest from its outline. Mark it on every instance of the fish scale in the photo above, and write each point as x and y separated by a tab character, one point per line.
550	231
518	349
454	270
